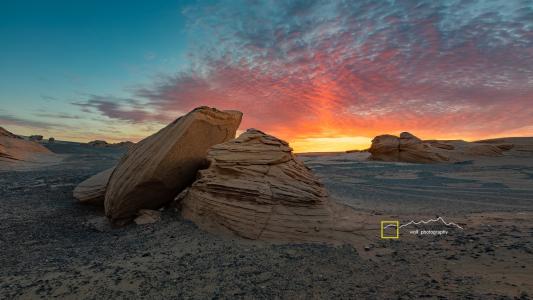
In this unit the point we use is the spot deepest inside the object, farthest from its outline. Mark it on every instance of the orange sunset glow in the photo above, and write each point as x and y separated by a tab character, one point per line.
327	78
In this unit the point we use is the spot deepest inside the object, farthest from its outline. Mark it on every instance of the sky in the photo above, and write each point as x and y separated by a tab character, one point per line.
323	75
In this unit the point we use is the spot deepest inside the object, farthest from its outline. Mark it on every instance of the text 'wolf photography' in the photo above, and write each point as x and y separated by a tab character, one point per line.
266	149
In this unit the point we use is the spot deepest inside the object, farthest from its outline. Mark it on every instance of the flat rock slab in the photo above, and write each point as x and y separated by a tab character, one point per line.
147	216
92	190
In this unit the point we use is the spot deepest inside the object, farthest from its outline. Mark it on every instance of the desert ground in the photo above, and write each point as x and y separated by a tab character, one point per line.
52	246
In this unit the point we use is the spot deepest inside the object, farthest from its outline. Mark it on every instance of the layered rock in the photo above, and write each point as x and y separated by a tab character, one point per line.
13	149
255	188
517	145
159	167
409	148
413	149
6	133
92	190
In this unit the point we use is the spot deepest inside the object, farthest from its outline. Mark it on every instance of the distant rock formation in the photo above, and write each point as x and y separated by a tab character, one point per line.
406	148
102	143
36	138
98	143
160	166
518	145
356	151
92	190
409	148
255	188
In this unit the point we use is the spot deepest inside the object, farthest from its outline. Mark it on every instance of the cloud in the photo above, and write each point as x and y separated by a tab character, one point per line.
58	116
124	109
352	68
9	120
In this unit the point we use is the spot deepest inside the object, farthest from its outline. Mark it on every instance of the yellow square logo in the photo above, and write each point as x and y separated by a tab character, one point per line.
386	231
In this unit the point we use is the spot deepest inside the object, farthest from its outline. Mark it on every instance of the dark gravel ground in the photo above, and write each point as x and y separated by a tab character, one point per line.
53	247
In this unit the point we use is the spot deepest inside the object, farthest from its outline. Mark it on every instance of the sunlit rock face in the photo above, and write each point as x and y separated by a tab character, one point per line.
159	167
6	133
14	149
255	188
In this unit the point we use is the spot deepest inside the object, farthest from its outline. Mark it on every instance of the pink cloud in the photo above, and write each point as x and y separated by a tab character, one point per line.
357	69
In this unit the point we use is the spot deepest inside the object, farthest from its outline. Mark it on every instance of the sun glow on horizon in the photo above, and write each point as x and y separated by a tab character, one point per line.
330	144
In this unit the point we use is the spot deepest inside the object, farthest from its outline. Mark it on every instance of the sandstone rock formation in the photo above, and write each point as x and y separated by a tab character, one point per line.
159	167
92	190
409	148
518	145
126	144
13	148
6	133
255	188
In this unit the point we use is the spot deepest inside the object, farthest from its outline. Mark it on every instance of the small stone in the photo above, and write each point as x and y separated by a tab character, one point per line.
147	216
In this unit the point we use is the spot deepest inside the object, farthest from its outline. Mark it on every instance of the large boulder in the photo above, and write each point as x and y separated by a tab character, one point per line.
413	149
255	188
406	148
385	147
159	167
92	190
409	148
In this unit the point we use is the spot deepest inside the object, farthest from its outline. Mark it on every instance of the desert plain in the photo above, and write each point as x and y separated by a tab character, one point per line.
55	247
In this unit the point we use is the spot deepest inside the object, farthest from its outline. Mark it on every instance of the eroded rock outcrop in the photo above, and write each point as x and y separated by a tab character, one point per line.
518	145
6	133
92	190
255	188
409	148
154	171
13	149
